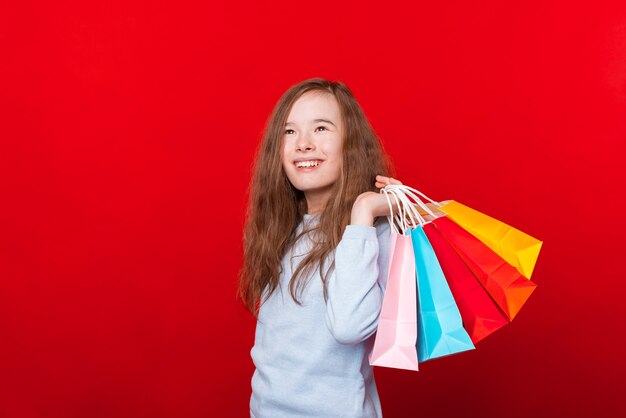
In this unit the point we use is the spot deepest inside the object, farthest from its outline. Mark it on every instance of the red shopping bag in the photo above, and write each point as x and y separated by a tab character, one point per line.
481	316
508	288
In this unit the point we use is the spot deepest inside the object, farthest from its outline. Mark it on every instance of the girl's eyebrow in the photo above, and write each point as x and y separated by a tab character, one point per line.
314	121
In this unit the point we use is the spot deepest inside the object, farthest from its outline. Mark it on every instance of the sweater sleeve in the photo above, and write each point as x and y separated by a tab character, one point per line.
357	284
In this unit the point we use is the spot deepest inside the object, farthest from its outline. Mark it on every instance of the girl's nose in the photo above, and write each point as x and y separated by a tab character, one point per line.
304	144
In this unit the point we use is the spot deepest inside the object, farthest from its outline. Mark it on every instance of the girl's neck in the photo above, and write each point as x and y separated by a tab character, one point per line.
316	201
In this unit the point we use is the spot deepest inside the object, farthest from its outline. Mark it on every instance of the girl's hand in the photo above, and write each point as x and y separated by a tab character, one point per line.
370	205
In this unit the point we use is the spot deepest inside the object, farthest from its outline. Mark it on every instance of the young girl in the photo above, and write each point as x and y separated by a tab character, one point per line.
316	246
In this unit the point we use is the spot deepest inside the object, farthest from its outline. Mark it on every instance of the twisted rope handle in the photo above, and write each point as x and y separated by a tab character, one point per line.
414	215
413	193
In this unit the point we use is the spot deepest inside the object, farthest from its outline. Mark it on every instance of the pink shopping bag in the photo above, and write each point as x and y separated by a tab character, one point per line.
396	336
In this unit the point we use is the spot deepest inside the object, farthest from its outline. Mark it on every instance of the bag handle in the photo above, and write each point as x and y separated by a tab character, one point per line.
401	216
415	191
410	192
407	208
402	211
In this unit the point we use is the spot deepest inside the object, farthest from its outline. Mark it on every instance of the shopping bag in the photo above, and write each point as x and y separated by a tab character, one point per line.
396	335
508	288
480	314
440	327
516	247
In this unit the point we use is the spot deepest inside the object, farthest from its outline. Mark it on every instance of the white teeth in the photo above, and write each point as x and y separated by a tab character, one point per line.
300	164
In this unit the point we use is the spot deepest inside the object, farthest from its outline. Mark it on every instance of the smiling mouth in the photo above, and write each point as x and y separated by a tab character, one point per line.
307	165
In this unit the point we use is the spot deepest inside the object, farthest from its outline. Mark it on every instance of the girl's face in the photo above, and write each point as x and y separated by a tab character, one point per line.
312	147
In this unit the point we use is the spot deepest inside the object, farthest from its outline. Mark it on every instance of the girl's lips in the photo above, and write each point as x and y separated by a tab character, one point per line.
307	169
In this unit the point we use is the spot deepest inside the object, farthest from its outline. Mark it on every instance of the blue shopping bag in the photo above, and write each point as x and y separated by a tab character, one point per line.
440	327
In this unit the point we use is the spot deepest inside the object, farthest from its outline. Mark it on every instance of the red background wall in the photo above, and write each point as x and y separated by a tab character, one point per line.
127	133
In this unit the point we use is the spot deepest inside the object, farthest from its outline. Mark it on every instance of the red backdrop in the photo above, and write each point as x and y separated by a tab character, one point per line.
128	129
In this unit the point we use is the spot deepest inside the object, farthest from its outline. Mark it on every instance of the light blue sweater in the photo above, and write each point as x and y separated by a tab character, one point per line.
312	360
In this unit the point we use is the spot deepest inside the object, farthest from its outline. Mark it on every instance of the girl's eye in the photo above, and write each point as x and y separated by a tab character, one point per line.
291	130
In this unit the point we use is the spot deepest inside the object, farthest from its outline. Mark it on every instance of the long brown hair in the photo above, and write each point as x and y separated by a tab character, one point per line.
276	207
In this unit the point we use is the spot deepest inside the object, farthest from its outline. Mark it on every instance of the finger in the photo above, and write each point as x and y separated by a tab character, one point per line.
391	180
387	180
381	181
